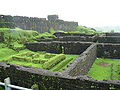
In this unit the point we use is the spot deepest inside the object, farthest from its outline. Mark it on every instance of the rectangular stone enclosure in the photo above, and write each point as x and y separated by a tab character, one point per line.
72	78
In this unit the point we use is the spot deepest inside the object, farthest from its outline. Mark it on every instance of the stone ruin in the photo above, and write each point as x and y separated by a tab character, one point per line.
39	24
74	76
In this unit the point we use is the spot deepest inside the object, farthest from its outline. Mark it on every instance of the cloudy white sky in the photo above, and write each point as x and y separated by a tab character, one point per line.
86	12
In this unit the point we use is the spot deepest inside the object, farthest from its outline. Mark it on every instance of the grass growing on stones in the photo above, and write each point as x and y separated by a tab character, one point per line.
105	69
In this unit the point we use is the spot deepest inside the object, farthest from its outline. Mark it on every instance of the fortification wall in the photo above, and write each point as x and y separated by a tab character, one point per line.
109	39
77	38
112	34
51	47
6	21
108	50
39	24
71	37
73	47
71	78
70	47
83	63
61	34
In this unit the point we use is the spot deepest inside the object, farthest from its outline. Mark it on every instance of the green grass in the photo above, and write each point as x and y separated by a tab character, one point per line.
60	65
12	50
101	72
21	36
34	59
68	56
6	53
79	29
45	35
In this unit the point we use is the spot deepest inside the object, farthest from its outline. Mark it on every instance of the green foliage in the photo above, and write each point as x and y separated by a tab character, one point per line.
28	57
12	49
35	87
53	61
34	59
82	29
112	31
52	31
61	31
48	55
45	35
61	64
6	53
18	35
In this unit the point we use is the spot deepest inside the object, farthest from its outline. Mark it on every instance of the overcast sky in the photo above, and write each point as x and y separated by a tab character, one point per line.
86	12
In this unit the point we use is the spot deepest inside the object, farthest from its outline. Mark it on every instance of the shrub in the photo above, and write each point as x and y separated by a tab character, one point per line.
53	61
61	64
48	55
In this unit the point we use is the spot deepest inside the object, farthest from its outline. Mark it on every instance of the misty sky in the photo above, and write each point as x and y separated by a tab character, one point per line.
86	12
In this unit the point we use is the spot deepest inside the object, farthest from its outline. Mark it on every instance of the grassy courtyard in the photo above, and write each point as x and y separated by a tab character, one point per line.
105	69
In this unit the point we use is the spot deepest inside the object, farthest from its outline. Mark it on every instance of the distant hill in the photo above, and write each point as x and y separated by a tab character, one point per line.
108	28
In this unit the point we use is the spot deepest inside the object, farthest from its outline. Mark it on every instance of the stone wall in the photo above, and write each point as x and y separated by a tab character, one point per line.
83	63
72	78
108	50
61	34
71	37
31	23
39	24
77	38
6	21
51	47
74	47
109	39
112	34
70	47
